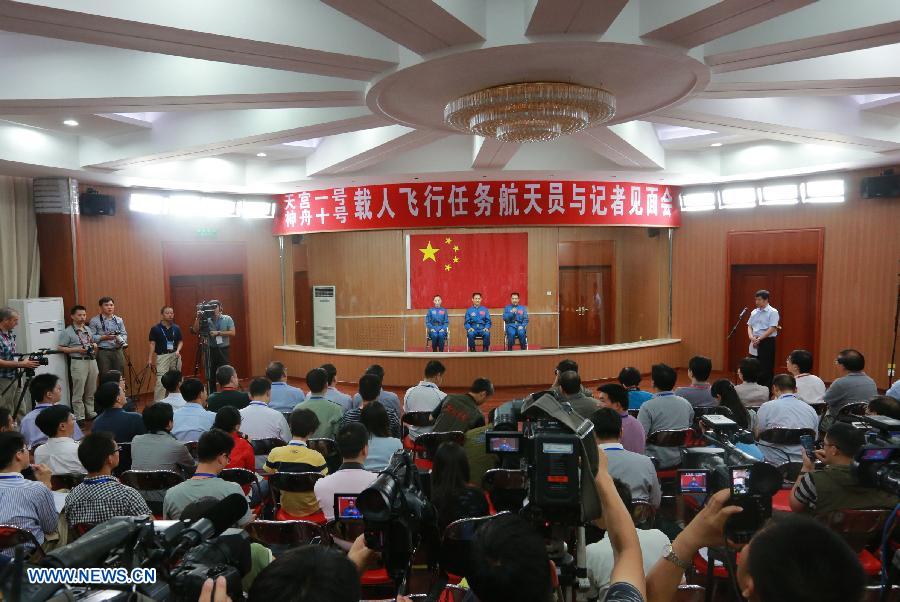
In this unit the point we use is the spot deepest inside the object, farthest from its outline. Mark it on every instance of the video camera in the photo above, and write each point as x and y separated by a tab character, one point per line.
877	464
398	518
206	311
39	356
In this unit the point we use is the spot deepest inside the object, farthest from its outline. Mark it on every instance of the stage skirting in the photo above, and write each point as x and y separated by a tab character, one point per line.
504	368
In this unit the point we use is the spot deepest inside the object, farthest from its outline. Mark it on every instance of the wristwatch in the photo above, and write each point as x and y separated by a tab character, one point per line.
672	557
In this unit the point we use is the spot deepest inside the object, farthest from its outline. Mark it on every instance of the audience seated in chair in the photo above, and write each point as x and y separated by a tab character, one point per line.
388	399
228	419
833	488
697	393
884	405
311	572
284	397
328	412
461	412
853	384
786	411
213	450
452	493
45	390
60	452
614	396
191	421
125	426
425	396
158	449
7	423
101	496
23	503
810	387
331	391
666	411
724	391
635	470
751	393
382	446
297	457
581	399
258	420
369	388
228	393
630	378
171	382
353	443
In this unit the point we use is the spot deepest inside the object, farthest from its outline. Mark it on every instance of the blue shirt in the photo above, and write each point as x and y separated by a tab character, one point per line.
101	325
28	505
763	319
894	391
380	451
284	397
515	315
223	322
478	318
385	398
636	398
33	435
342	399
437	319
123	425
191	421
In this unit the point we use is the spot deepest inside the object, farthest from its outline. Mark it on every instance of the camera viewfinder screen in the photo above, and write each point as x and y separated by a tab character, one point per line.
505	444
740	481
879	454
345	506
693	481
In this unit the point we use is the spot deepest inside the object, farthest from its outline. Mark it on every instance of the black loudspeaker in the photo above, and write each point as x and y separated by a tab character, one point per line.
652	232
887	186
94	203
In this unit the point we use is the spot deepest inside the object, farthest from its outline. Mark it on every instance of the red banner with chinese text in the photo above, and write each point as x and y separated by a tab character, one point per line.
477	204
456	265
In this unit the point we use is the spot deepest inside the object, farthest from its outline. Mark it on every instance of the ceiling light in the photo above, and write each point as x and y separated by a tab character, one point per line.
260	154
716	144
70	122
530	112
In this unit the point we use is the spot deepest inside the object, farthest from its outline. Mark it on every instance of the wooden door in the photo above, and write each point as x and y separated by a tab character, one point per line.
302	309
585	306
792	291
187	292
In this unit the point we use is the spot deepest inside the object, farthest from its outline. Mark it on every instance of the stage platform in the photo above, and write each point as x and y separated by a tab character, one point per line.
504	368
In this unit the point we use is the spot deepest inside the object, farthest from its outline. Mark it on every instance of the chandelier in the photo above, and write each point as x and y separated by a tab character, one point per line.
530	112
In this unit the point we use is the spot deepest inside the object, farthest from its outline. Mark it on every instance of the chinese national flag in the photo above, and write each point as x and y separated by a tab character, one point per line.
456	265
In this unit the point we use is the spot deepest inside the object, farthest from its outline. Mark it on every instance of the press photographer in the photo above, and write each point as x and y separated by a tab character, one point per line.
216	330
77	342
110	336
10	362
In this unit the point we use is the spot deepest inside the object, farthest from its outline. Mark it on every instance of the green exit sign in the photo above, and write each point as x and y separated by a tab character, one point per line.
207	232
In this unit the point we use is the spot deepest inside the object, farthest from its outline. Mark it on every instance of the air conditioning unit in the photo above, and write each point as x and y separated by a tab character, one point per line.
324	317
40	322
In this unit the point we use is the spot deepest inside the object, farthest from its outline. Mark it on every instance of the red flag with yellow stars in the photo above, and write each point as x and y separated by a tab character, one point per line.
456	265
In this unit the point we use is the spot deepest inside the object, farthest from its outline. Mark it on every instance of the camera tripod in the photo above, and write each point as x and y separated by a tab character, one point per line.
203	356
28	373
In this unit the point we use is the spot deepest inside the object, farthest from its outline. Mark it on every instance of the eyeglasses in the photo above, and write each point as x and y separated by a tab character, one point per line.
118	449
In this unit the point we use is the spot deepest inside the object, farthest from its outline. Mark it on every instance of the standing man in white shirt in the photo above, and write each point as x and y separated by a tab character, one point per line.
258	420
60	452
810	387
425	396
762	328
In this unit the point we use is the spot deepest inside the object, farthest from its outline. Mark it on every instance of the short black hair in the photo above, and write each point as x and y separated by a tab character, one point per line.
330	371
750	368
303	423
616	393
227	418
664	377
163	309
76	308
191	389
482	385
514	294
630	376
369	386
95	448
49	419
700	367
509	562
566	365
212	444
311	573
351	439
224	374
569	382
607	423
317	380
803	359
157	416
275	371
780	573
433	368
377	370
852	360
104	300
260	386
106	395
5	414
624	492
477	293
111	376
846	439
762	294
375	418
171	380
784	382
41	385
880	405
11	443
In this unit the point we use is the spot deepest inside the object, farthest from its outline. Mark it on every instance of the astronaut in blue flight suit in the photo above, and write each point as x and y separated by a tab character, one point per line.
478	323
516	318
437	321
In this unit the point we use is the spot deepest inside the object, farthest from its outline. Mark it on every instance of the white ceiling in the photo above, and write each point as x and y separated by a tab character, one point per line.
186	95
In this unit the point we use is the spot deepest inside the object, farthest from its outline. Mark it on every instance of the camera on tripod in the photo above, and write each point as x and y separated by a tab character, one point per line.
39	356
206	311
877	464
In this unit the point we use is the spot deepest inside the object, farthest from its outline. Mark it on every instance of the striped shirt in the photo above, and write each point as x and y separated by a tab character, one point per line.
354	416
27	505
7	349
98	499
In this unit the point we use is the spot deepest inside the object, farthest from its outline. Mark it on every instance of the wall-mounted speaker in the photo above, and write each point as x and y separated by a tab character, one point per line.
886	186
94	203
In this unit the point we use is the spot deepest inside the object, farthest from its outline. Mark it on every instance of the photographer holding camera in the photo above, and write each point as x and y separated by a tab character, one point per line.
77	342
9	318
219	329
110	336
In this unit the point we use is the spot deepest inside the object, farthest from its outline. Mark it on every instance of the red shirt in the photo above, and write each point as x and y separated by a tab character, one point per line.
242	455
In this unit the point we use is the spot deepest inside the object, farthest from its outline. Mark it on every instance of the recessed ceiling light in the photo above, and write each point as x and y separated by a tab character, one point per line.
261	154
716	144
70	122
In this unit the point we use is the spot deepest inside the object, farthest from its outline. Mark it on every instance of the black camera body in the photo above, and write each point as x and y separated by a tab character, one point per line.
877	465
206	311
226	556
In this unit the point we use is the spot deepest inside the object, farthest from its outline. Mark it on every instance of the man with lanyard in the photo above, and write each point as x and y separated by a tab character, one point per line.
762	328
516	318
221	329
166	341
425	396
437	322
77	341
786	411
110	336
478	324
9	393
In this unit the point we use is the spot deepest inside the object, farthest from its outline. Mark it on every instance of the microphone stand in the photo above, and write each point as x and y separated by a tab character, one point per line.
736	324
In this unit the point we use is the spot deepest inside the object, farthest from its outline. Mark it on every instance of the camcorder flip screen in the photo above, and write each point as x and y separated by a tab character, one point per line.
878	454
740	480
500	442
345	506
693	481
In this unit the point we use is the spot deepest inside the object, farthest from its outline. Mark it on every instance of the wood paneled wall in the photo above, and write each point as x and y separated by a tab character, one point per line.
859	275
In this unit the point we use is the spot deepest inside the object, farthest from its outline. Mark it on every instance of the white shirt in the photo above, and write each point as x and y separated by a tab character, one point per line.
600	556
810	388
788	412
175	400
345	480
424	397
259	421
60	454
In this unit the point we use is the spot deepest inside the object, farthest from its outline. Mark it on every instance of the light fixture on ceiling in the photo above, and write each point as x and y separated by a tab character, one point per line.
530	112
716	144
261	154
70	122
